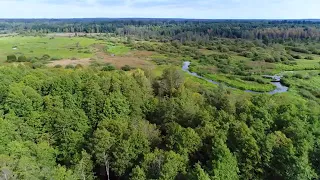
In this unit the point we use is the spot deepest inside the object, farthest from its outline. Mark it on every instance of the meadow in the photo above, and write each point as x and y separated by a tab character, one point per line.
224	65
61	50
55	47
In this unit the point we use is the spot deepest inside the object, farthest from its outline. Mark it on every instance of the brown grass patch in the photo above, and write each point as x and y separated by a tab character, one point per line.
211	69
143	53
260	64
126	60
136	59
116	61
64	62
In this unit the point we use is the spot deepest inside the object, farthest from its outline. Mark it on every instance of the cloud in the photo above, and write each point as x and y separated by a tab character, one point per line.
205	9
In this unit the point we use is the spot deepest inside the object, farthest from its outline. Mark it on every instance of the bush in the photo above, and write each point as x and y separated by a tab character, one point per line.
211	48
126	68
58	66
11	58
34	59
79	66
37	65
247	54
297	56
299	76
108	68
69	66
290	63
55	58
263	57
45	57
300	50
309	58
223	49
22	59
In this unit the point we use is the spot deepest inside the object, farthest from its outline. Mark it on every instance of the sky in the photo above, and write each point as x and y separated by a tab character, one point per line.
194	9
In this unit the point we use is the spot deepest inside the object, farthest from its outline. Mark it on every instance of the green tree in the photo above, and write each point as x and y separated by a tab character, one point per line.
182	140
198	173
11	58
163	165
171	81
118	144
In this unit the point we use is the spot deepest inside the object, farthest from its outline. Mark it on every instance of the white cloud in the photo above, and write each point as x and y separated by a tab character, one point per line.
209	9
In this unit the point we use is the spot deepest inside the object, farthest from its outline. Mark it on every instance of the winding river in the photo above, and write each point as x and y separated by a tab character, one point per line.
280	88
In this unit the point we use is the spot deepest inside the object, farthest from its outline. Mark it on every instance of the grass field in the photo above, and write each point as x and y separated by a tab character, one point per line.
302	64
118	50
58	47
84	51
65	50
305	83
240	84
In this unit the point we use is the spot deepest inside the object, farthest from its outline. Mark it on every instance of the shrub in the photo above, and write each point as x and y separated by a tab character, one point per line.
95	63
300	50
211	48
11	58
55	58
22	58
108	68
45	57
247	54
299	76
297	56
263	57
37	65
69	66
290	63
126	68
309	58
79	66
223	49
34	59
58	66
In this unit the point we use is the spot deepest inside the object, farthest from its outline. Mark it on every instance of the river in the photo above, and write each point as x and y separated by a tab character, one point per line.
280	88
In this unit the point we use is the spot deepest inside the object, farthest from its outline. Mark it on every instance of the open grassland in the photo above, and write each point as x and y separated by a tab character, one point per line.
304	83
69	50
224	66
302	64
118	50
240	84
57	48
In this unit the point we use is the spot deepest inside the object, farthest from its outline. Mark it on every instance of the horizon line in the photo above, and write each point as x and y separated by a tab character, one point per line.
173	18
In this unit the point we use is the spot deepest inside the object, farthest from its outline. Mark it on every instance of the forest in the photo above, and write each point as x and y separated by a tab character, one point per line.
124	109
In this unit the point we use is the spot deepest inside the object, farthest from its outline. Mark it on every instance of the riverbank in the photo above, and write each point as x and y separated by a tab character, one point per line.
280	88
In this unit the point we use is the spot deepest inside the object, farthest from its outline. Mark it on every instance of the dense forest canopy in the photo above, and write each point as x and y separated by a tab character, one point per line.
172	28
81	124
107	122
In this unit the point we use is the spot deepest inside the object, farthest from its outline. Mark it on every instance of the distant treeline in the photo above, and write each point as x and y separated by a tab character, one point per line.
172	29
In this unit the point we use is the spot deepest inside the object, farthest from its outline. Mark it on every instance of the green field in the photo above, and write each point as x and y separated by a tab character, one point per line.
118	50
223	71
58	47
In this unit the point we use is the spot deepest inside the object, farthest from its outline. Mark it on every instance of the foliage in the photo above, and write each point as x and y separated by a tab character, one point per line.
126	68
11	58
108	67
99	123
